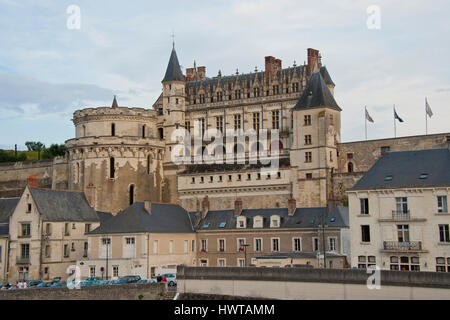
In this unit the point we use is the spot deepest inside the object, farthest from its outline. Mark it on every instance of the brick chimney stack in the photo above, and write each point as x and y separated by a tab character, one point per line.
205	207
195	73
32	181
292	206
272	66
313	57
238	207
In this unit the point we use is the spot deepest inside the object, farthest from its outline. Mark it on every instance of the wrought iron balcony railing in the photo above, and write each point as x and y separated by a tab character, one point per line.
403	246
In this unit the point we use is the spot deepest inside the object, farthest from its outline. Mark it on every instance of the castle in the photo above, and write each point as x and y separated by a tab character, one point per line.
122	155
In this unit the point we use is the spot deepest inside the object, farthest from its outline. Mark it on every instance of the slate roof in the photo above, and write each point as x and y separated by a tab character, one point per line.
164	218
4	230
326	76
173	72
103	216
405	168
59	206
316	94
7	207
302	218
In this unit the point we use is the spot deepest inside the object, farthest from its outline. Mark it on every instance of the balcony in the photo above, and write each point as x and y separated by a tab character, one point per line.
401	216
396	246
23	260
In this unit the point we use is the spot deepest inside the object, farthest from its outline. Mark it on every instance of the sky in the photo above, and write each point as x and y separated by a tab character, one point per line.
48	69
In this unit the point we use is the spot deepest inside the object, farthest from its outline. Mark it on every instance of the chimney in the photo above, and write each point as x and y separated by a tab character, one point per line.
32	181
90	194
292	205
148	206
238	207
205	207
313	57
272	66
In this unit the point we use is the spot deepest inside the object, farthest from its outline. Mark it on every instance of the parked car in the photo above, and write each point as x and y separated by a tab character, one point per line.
44	285
144	281
58	284
56	280
171	278
33	283
127	279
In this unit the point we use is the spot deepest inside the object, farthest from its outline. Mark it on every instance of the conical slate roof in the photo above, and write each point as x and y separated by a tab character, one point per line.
316	94
173	72
114	104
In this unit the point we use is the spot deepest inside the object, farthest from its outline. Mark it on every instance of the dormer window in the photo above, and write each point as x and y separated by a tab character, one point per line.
257	222
241	223
274	221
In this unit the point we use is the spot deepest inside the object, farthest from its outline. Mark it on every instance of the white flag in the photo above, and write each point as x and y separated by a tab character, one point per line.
368	117
427	107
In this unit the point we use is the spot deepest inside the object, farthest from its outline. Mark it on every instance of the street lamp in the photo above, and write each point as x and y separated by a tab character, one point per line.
323	225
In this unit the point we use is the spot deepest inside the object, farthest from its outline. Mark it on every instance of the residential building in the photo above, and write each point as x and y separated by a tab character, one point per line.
7	207
399	218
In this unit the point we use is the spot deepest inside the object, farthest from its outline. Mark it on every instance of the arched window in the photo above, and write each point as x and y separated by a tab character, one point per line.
131	194
350	167
112	169
113	129
143	131
238	149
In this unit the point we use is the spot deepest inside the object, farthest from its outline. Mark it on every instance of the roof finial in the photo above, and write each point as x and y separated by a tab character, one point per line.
114	104
173	39
295	63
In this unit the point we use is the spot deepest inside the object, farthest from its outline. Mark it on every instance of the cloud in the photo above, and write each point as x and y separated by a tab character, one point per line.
28	97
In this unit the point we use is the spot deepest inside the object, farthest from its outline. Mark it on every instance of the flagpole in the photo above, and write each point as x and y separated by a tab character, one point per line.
395	125
426	118
365	117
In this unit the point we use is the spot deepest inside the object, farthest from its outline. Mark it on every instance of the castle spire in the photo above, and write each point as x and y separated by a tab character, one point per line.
173	72
114	104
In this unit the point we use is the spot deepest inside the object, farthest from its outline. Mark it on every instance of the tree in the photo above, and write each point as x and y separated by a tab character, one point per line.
54	150
35	146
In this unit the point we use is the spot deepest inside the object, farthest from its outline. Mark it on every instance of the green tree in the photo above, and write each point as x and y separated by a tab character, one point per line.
35	146
55	150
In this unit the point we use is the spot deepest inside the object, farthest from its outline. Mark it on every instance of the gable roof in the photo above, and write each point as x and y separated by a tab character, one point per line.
164	218
60	206
316	94
302	218
7	207
173	72
405	168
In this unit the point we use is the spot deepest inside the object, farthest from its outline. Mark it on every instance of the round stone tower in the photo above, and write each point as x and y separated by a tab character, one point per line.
116	157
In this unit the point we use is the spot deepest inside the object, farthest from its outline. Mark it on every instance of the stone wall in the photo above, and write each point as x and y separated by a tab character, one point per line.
154	291
300	283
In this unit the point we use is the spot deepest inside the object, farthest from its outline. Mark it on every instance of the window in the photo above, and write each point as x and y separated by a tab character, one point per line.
187	126
237	121
384	150
256	121
131	196
87	228
349	156
403	232
26	230
92	271
161	133
442	264
350	167
240	244
258	245
203	262
442	204
221	245
276	119
143	131
296	245
202	126
315	244
66	251
72	246
85	249
405	263
241	222
332	244
309	176
219	124
29	207
276	90
308	139
365	233
115	271
73	226
193	246
295	87
365	262
25	251
112	169
241	263
308	157
47	251
221	262
113	129
364	202
149	164
402	204
275	244
307	120
444	233
275	222
204	245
